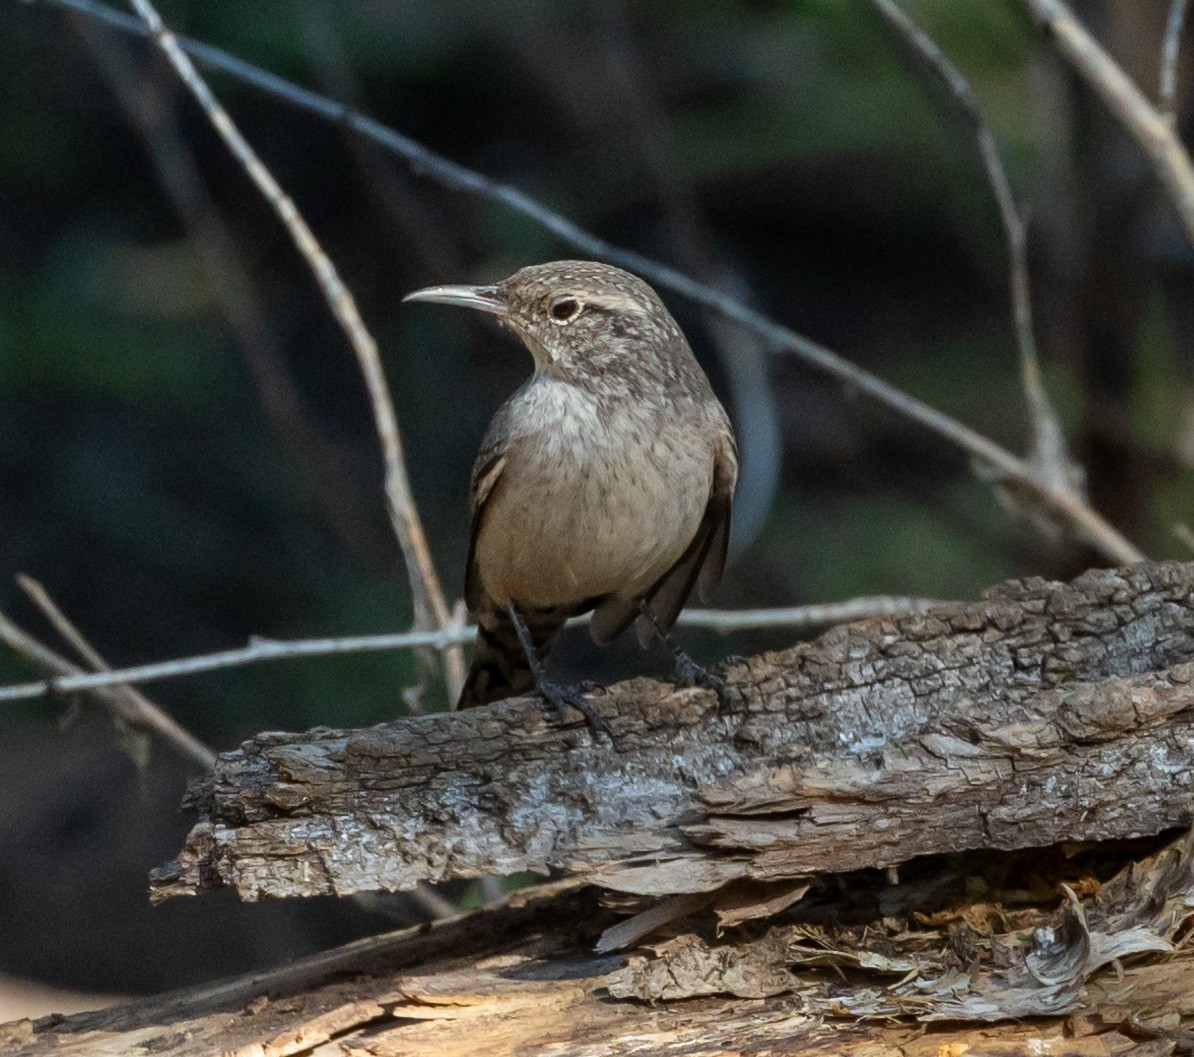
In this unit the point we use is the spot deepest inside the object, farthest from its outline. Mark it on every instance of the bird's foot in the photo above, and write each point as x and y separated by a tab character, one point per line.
562	696
689	673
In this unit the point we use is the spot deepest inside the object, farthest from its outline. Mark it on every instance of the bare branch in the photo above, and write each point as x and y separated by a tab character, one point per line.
257	650
41	598
727	620
432	902
1151	130
121	699
143	714
431	610
1169	56
261	649
325	464
1049	454
1005	466
864	748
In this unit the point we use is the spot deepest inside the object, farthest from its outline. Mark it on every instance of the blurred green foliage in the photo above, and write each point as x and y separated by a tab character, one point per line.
141	480
786	147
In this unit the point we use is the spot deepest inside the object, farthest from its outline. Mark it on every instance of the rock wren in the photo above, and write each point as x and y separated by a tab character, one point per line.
603	484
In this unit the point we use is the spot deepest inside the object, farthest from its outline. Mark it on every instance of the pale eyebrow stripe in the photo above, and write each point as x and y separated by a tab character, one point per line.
611	301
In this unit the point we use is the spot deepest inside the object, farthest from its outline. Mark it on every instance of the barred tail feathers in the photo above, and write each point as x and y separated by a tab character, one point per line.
500	668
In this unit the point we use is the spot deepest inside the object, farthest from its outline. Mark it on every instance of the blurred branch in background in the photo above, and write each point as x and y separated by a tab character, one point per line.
419	228
135	712
1151	129
260	649
1171	46
325	465
126	704
1002	464
828	185
1047	446
745	363
430	608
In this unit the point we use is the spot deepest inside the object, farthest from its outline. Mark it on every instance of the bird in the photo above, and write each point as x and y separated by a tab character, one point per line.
604	484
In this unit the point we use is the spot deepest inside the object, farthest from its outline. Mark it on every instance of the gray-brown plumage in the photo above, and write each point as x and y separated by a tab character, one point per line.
603	484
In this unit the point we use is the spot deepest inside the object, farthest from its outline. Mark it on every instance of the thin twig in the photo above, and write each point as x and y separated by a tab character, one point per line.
1170	50
336	490
121	699
1048	445
144	714
40	597
727	620
141	713
1065	502
432	902
257	650
1154	134
430	608
260	649
637	107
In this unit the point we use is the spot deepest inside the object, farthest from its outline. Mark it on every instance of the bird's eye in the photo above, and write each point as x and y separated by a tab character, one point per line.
564	309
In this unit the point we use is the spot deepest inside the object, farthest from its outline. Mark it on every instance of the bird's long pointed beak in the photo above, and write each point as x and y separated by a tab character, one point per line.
485	298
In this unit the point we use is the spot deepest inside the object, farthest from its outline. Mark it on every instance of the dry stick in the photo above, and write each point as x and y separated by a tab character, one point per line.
396	193
432	902
40	597
429	606
1167	101
260	649
335	491
1063	501
727	620
1151	130
121	699
745	361
257	650
1048	442
141	712
146	714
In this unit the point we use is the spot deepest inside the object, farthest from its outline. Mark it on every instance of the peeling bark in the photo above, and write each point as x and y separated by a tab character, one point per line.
1017	727
521	979
1045	712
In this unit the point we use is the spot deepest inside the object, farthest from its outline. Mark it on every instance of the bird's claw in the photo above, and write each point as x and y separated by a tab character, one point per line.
562	696
689	673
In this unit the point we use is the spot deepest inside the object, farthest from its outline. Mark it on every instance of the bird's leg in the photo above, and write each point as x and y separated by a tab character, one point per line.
558	694
687	671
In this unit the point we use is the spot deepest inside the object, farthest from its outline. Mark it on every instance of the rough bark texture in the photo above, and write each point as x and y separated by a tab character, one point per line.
1016	727
1045	712
521	979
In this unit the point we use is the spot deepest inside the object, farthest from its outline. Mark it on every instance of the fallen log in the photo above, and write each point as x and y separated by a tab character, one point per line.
972	753
1045	712
1098	978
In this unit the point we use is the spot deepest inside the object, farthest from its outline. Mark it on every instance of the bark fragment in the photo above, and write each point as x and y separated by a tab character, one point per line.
1045	712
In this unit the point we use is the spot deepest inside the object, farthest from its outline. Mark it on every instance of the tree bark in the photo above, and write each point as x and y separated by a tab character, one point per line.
521	979
1045	712
1019	726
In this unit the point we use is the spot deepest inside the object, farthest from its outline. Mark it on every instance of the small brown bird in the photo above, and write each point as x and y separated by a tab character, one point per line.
603	484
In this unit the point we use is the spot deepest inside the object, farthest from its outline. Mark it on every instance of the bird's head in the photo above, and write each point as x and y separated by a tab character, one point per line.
577	317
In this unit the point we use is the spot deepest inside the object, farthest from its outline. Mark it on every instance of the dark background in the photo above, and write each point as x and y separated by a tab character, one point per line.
187	456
